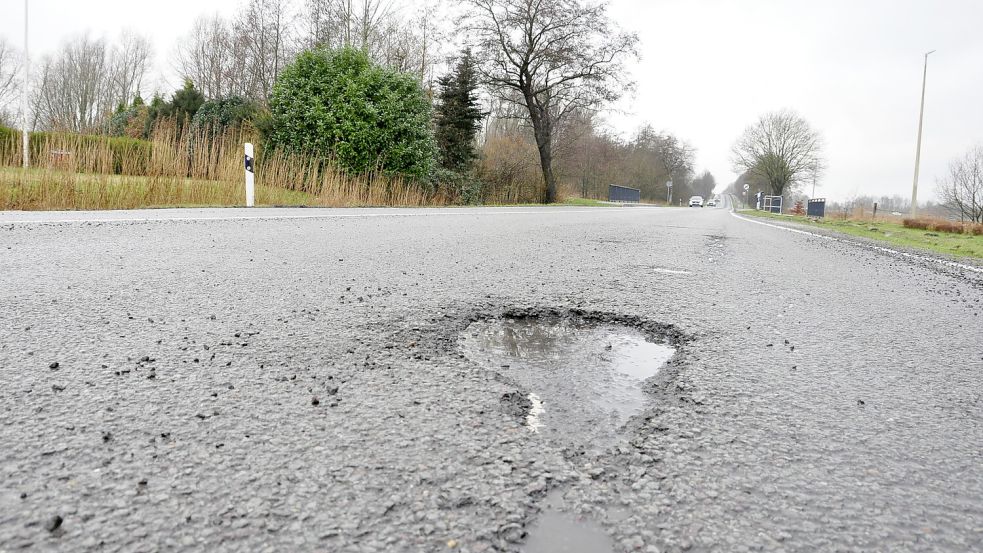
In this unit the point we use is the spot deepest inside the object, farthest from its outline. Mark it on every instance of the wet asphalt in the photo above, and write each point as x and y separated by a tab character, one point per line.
293	380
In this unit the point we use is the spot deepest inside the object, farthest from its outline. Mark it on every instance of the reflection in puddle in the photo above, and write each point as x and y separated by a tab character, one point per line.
533	420
671	271
557	531
585	377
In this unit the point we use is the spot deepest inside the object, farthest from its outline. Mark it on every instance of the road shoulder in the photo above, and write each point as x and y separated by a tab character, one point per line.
966	267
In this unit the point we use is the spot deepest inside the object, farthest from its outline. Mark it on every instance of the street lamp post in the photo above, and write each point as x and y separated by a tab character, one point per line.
918	147
25	138
815	173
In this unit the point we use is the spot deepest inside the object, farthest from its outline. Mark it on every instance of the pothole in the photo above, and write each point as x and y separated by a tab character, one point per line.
557	530
582	379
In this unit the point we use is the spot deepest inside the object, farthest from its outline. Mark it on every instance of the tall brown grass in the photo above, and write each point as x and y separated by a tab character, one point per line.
943	225
176	167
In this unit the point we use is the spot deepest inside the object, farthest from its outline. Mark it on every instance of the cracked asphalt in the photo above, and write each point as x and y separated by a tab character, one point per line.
292	380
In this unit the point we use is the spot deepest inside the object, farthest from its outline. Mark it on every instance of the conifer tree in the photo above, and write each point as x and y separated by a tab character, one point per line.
458	115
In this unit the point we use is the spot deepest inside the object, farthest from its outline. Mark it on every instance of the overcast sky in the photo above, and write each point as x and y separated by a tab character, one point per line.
709	68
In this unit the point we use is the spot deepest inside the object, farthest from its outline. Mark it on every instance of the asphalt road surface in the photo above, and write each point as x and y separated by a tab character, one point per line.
293	380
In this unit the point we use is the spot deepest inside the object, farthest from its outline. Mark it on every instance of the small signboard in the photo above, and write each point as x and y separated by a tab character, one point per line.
816	207
624	194
773	204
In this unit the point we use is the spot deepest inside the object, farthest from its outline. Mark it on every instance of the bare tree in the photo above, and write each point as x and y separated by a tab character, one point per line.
130	61
408	42
558	55
78	87
782	148
704	184
73	86
962	189
341	23
10	64
206	56
411	44
676	156
261	34
662	157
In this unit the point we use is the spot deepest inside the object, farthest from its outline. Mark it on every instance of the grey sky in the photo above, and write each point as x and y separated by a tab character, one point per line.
710	67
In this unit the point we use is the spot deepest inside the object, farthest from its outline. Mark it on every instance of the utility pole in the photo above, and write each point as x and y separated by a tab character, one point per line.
815	171
918	148
25	139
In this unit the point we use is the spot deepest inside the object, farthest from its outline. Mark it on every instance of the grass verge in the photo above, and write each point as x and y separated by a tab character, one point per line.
46	189
587	202
53	189
962	245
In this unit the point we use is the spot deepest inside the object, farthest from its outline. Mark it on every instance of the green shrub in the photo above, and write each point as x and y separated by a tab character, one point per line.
130	122
461	186
221	114
338	104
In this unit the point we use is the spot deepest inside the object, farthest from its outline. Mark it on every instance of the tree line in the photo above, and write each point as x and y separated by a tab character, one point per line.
781	154
519	108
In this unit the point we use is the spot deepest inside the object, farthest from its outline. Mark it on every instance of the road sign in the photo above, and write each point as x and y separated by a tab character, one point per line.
747	186
669	184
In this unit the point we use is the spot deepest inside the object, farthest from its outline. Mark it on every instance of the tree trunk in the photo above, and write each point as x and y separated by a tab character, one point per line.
544	143
546	162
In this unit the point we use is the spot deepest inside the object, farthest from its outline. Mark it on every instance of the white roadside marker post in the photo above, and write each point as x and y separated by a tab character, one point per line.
250	177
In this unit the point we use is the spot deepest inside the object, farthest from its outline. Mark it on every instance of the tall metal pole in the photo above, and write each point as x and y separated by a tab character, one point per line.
815	171
25	139
918	148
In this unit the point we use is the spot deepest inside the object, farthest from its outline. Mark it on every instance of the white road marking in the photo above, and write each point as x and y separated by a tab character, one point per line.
671	271
945	262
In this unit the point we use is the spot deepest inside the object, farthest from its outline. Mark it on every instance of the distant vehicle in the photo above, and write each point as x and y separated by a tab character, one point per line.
696	201
711	203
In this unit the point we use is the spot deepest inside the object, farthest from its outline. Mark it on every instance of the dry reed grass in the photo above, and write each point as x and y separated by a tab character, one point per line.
178	168
943	225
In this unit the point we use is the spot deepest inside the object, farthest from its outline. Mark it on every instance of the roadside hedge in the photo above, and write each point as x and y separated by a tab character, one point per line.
114	154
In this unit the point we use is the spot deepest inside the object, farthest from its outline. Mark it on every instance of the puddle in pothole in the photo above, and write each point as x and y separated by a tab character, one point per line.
558	531
583	379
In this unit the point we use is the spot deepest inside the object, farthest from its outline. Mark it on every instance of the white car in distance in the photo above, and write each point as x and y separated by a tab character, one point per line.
711	203
696	201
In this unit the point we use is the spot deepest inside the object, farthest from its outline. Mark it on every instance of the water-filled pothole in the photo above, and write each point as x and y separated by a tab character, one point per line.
582	378
558	531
